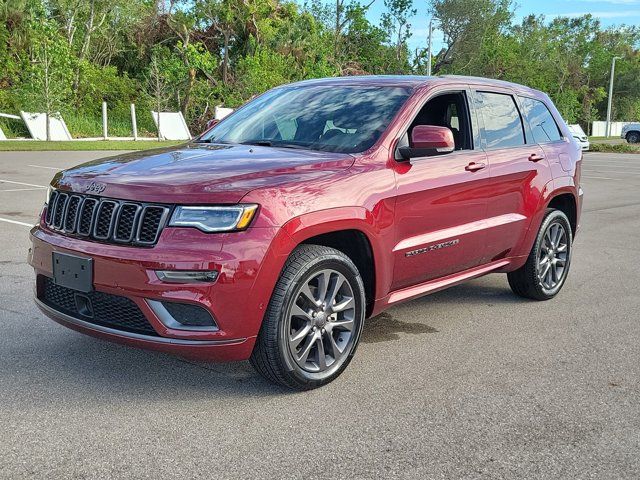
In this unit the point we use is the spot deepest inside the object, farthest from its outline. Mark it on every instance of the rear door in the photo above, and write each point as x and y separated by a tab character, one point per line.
518	170
441	200
546	133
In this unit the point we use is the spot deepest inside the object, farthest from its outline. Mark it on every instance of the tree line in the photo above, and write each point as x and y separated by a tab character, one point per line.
69	56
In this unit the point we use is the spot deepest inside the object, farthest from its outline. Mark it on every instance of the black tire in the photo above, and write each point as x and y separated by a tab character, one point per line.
272	356
633	137
525	281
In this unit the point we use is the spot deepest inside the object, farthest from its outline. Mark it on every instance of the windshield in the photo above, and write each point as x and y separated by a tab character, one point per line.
346	119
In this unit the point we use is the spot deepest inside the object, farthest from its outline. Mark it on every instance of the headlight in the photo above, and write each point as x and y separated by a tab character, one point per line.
214	219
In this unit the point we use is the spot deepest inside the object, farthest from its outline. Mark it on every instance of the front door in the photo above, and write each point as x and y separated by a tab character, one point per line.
441	200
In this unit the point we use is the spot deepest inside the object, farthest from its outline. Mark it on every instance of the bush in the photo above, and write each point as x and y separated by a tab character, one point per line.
14	128
614	148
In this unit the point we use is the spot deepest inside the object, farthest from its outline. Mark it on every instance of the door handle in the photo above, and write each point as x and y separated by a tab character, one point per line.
473	166
534	157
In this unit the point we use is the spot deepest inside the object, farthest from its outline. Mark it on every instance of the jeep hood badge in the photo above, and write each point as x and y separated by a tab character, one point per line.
95	187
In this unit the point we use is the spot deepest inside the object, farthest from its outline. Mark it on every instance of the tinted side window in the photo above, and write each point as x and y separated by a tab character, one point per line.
502	123
544	127
448	110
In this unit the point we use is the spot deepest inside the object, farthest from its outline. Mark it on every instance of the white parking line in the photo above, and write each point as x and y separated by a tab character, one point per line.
17	222
22	183
22	189
601	178
616	160
604	170
606	165
42	166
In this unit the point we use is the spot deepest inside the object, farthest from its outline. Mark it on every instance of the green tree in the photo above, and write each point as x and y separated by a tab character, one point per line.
158	88
46	82
395	21
470	28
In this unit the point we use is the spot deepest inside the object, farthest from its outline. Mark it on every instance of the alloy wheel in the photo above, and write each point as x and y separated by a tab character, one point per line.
553	256
320	321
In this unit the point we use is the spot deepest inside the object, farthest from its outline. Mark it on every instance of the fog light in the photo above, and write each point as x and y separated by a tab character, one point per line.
187	276
183	316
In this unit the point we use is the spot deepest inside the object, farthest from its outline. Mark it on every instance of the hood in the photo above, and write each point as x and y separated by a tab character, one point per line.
198	173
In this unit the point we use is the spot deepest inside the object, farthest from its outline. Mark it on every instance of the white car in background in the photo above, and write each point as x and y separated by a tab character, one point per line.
580	136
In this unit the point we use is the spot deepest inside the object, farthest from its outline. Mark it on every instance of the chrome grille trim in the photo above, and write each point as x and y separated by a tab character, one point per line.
85	227
105	219
132	233
71	213
51	206
143	216
58	211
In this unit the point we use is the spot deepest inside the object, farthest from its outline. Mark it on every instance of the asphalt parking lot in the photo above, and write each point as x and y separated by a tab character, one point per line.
471	382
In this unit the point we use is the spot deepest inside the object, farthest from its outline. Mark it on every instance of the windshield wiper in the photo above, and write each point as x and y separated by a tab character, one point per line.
269	143
260	143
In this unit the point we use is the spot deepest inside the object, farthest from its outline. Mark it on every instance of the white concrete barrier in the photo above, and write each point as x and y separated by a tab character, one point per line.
37	126
172	126
220	112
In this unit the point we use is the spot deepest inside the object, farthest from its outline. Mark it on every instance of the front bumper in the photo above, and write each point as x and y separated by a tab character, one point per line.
247	267
206	350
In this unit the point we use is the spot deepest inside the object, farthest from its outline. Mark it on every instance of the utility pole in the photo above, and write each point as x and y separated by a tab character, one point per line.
429	47
613	69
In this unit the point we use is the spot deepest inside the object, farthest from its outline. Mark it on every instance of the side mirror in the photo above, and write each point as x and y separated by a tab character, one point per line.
428	140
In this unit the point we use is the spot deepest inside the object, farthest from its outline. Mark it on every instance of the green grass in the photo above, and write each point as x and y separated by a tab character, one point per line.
82	125
615	148
40	146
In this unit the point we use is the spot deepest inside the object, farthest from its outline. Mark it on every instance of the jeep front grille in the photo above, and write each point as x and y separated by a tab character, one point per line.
106	219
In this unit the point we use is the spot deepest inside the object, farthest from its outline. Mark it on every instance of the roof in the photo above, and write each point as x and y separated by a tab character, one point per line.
413	81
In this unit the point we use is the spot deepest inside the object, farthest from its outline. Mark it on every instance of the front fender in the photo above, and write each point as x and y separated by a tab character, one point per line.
377	226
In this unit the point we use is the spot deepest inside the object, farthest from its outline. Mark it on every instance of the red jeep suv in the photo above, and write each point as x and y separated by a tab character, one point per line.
318	204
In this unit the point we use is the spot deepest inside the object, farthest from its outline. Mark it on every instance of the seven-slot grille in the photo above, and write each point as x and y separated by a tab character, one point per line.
106	219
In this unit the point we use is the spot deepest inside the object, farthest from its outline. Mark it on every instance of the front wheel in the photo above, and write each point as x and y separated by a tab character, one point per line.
313	323
545	272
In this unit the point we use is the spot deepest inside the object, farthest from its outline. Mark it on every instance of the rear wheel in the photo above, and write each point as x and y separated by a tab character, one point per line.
545	272
314	319
633	137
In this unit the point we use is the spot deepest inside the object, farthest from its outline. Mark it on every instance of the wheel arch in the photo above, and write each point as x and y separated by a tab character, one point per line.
356	245
564	197
566	202
351	231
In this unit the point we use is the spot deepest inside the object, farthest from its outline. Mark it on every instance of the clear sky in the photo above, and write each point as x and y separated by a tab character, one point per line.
610	12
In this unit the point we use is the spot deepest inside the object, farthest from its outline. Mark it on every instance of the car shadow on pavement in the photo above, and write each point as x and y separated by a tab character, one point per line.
386	326
66	361
70	362
482	291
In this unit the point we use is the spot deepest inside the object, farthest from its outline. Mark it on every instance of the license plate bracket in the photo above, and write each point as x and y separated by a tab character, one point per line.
72	271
